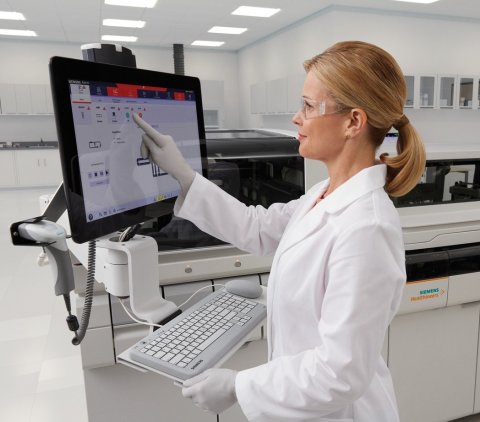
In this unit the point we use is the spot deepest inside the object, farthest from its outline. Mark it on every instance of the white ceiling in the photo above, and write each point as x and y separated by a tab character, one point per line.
183	21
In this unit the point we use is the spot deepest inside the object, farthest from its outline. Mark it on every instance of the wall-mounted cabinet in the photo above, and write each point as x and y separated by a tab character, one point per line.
282	96
258	98
295	88
277	96
465	91
447	91
25	99
410	82
277	93
427	91
443	91
213	99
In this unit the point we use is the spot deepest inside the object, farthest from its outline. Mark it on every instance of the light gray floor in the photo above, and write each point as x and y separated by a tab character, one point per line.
41	377
40	371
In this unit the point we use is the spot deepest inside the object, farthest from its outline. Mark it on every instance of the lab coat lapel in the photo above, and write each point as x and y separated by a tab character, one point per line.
306	220
312	217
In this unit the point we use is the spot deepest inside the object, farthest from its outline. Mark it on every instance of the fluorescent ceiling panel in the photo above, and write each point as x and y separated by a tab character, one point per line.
18	32
227	30
14	16
123	23
260	12
118	38
208	43
418	1
132	3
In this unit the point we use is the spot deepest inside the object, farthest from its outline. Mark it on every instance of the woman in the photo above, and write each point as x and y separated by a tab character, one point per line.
337	276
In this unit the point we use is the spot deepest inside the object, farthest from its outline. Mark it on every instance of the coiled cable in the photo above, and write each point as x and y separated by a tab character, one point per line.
87	307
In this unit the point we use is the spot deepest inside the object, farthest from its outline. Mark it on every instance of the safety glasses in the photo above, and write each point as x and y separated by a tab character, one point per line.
311	109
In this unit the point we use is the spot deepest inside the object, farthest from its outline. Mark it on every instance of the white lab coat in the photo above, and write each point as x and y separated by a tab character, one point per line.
335	285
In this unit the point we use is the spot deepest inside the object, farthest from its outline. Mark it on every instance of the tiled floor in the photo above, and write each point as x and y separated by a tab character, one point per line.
41	377
40	371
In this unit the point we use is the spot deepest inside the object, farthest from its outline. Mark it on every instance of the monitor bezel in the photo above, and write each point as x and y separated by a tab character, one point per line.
62	70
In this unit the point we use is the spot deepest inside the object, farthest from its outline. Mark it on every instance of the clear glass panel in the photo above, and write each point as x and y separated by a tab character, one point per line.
427	91
410	81
257	167
466	93
445	182
447	85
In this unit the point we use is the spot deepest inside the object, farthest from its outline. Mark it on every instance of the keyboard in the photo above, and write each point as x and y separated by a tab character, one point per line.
200	337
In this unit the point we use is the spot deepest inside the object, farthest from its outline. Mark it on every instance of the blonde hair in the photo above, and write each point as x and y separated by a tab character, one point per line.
361	75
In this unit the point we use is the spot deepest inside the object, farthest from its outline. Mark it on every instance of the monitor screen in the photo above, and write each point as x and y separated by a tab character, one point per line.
108	185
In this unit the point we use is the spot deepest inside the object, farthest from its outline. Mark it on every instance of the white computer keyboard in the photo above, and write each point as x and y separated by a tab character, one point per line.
199	337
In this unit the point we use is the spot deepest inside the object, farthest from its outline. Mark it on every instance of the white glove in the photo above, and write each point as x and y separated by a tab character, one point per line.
162	150
212	390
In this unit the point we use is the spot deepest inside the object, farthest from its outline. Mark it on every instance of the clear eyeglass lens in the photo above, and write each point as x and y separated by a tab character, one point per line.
311	109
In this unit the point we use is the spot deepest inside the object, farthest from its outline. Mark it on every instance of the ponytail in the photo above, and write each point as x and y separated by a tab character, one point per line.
405	169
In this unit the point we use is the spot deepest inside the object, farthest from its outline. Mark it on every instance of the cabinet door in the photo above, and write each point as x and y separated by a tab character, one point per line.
39	101
427	91
7	99
48	97
38	168
432	358
465	91
277	96
295	88
7	169
24	100
258	98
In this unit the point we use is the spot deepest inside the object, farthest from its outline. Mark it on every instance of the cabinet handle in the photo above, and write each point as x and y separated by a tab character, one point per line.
45	162
38	162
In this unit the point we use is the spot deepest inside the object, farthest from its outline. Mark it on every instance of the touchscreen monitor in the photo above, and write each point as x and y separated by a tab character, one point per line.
108	185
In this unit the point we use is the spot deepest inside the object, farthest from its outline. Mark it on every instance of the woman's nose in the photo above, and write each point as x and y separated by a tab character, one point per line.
297	118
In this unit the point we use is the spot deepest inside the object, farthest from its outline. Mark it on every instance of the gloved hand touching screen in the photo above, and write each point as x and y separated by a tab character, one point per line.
162	150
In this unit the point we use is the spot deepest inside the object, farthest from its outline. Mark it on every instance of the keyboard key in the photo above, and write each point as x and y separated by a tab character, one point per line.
211	339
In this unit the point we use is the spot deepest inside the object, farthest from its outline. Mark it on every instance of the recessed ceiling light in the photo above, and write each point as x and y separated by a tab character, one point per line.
118	38
123	23
418	1
18	32
261	12
208	43
226	30
132	3
14	16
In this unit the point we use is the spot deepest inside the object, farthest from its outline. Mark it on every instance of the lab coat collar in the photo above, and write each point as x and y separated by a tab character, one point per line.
362	183
365	181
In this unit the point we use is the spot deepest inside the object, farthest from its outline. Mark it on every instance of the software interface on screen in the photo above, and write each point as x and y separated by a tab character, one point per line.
114	176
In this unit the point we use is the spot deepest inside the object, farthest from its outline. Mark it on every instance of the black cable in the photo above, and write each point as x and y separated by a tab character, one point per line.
87	307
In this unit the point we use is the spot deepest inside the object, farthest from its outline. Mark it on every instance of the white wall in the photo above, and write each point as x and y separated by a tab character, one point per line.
27	63
421	44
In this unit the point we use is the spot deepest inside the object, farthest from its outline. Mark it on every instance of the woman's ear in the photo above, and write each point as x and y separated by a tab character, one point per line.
357	120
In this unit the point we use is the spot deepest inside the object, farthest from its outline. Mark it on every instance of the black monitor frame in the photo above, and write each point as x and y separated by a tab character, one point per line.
61	71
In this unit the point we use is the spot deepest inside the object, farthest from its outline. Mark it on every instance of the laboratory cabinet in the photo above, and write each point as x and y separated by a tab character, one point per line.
432	359
442	91
38	168
26	99
213	103
7	169
466	86
447	90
